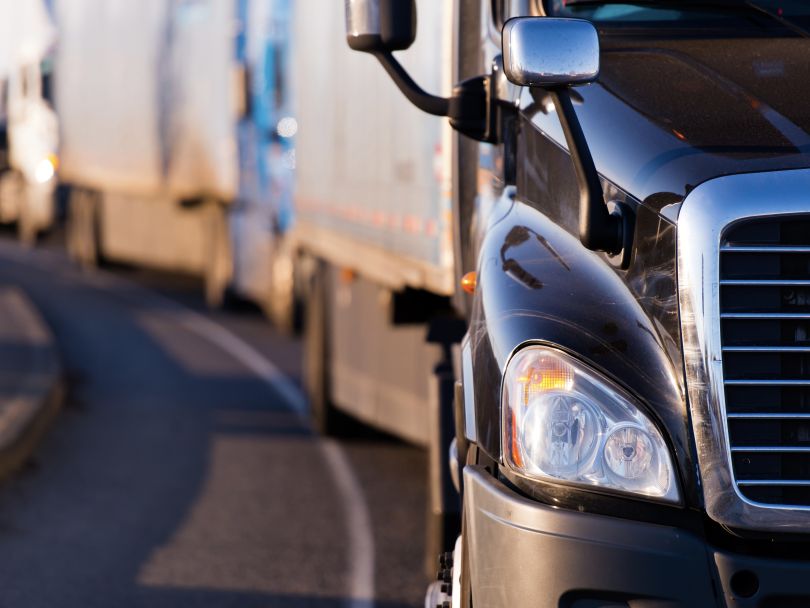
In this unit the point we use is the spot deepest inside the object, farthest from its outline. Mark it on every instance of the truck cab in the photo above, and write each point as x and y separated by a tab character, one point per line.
631	216
28	175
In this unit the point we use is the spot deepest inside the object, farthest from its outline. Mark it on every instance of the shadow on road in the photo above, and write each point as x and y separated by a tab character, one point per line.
181	480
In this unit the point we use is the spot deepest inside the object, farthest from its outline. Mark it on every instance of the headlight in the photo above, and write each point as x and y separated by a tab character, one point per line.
563	421
46	169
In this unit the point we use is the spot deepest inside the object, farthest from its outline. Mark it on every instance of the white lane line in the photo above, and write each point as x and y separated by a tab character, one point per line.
361	550
361	541
248	356
358	519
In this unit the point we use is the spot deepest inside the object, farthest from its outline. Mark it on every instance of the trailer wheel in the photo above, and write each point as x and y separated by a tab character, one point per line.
218	255
465	585
14	196
82	228
325	418
282	304
26	220
36	212
452	586
10	194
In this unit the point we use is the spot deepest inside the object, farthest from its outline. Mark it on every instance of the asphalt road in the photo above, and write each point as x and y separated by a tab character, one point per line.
180	473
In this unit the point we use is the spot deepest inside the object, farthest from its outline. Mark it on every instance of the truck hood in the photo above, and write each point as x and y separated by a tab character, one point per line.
666	116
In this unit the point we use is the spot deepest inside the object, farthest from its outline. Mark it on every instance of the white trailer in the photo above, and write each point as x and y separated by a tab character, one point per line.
153	102
374	230
373	203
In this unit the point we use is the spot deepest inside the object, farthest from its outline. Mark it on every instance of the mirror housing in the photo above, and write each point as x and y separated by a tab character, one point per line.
550	52
380	25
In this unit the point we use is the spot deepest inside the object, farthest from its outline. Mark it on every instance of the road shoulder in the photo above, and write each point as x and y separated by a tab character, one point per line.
31	384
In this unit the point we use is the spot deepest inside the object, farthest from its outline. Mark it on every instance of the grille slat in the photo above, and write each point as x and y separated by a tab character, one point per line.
774	382
766	349
771	449
765	282
767	416
765	315
765	332
766	249
775	482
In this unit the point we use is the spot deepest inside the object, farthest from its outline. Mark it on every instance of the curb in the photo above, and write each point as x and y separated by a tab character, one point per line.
31	382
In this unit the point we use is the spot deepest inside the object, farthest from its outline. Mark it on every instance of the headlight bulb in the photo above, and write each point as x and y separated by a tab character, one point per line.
563	433
629	452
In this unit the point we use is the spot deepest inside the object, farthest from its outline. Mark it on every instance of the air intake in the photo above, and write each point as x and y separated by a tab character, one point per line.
765	335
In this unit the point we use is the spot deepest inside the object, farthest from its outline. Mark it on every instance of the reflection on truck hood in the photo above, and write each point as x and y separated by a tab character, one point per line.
668	115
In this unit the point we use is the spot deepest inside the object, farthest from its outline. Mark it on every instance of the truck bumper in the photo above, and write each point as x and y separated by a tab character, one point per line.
526	554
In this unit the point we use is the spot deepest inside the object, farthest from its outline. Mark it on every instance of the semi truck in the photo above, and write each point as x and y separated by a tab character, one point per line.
266	142
168	116
28	171
632	181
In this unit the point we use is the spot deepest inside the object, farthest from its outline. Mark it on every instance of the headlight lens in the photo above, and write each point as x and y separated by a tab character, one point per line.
563	421
45	170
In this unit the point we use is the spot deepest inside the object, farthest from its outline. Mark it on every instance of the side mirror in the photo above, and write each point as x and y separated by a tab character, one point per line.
550	52
555	54
380	25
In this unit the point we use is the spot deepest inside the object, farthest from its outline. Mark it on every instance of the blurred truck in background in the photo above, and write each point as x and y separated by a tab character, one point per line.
168	116
30	134
374	235
264	210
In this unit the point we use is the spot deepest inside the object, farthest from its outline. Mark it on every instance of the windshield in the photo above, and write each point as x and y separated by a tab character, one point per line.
790	16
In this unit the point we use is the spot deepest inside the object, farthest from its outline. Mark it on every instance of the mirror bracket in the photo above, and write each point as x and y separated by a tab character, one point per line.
471	108
431	104
599	229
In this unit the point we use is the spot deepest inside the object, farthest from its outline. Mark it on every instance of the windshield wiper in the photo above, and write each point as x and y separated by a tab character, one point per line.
714	5
791	26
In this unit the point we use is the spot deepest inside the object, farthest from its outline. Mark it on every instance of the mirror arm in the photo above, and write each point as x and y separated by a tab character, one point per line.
469	108
438	106
599	229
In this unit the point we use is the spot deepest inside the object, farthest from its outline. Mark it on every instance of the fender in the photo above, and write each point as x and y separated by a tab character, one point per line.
537	283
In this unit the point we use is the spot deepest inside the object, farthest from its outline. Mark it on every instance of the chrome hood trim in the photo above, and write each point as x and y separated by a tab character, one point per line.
704	215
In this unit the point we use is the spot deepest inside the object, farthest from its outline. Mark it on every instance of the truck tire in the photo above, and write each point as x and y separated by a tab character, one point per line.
452	586
14	192
325	418
26	221
465	601
218	255
282	304
83	242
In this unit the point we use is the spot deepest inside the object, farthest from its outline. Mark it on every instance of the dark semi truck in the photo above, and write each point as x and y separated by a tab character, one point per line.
633	403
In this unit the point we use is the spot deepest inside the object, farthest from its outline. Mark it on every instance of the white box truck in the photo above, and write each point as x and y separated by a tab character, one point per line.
29	124
157	126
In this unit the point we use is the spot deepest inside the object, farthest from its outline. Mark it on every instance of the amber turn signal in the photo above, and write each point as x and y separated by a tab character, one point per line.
469	282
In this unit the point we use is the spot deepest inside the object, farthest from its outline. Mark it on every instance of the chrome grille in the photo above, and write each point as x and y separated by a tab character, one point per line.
765	335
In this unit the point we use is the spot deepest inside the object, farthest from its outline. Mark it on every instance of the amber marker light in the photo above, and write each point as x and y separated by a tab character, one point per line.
347	276
546	374
469	282
540	376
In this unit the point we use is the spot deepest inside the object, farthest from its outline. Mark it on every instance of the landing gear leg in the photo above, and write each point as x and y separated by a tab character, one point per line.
444	506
